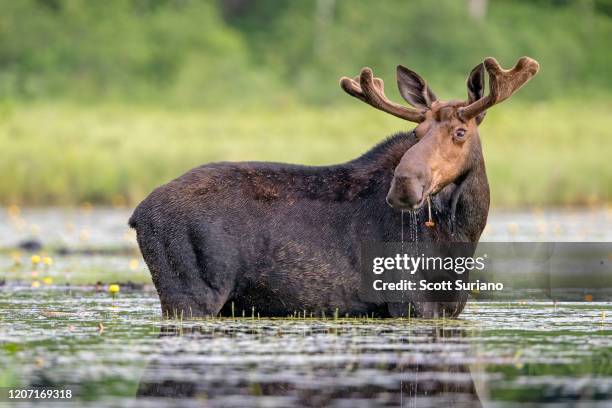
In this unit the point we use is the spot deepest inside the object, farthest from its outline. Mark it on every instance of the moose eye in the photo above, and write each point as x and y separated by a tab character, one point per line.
460	134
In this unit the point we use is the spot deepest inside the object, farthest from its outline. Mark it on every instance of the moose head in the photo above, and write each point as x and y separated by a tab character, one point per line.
447	132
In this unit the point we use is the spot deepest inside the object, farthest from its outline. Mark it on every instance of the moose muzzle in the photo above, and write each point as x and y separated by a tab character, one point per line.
407	191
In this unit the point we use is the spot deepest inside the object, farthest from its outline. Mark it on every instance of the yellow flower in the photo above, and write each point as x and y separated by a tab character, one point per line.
35	284
84	234
35	259
13	210
133	264
114	288
16	255
48	280
47	260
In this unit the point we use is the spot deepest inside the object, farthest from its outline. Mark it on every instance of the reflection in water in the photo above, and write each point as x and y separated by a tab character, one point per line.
312	364
512	353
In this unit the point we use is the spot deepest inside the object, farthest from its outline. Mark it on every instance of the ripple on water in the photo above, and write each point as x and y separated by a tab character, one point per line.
54	337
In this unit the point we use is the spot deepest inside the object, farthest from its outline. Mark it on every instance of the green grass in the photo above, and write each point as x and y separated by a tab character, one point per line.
58	154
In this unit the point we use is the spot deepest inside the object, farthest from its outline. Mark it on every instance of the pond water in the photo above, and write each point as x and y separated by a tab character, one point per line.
107	228
119	352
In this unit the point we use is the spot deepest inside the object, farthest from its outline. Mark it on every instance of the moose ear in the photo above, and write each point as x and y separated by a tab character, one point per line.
413	88
475	86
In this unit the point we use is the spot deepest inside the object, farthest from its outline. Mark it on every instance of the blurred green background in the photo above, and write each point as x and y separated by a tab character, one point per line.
102	101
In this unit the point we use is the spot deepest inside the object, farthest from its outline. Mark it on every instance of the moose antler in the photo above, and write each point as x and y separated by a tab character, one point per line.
371	90
502	84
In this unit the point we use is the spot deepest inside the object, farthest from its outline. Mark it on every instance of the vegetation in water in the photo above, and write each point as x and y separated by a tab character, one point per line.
117	349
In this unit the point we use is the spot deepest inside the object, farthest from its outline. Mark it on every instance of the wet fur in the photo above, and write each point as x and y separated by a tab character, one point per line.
283	238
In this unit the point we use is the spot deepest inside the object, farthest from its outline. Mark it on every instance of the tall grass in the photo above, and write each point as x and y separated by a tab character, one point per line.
537	154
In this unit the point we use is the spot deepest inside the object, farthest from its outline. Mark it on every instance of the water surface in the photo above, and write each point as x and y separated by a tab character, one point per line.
119	352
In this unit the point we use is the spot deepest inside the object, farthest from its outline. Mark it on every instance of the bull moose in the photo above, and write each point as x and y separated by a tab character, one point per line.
279	238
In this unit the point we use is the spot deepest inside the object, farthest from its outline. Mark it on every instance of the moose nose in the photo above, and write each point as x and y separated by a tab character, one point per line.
397	202
406	192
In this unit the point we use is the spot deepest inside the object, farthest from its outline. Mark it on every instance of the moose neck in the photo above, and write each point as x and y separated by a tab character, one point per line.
468	201
461	208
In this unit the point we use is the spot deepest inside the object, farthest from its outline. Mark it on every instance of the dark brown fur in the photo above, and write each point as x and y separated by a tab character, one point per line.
283	238
279	238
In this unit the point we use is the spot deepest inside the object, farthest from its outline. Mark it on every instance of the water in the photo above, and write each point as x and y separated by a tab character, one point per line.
412	227
402	227
107	228
119	352
496	352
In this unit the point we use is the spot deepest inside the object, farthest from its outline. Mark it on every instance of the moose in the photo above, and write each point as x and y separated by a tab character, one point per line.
280	238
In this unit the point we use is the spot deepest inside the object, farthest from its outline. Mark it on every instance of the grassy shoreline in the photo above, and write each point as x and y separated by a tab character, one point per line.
544	154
